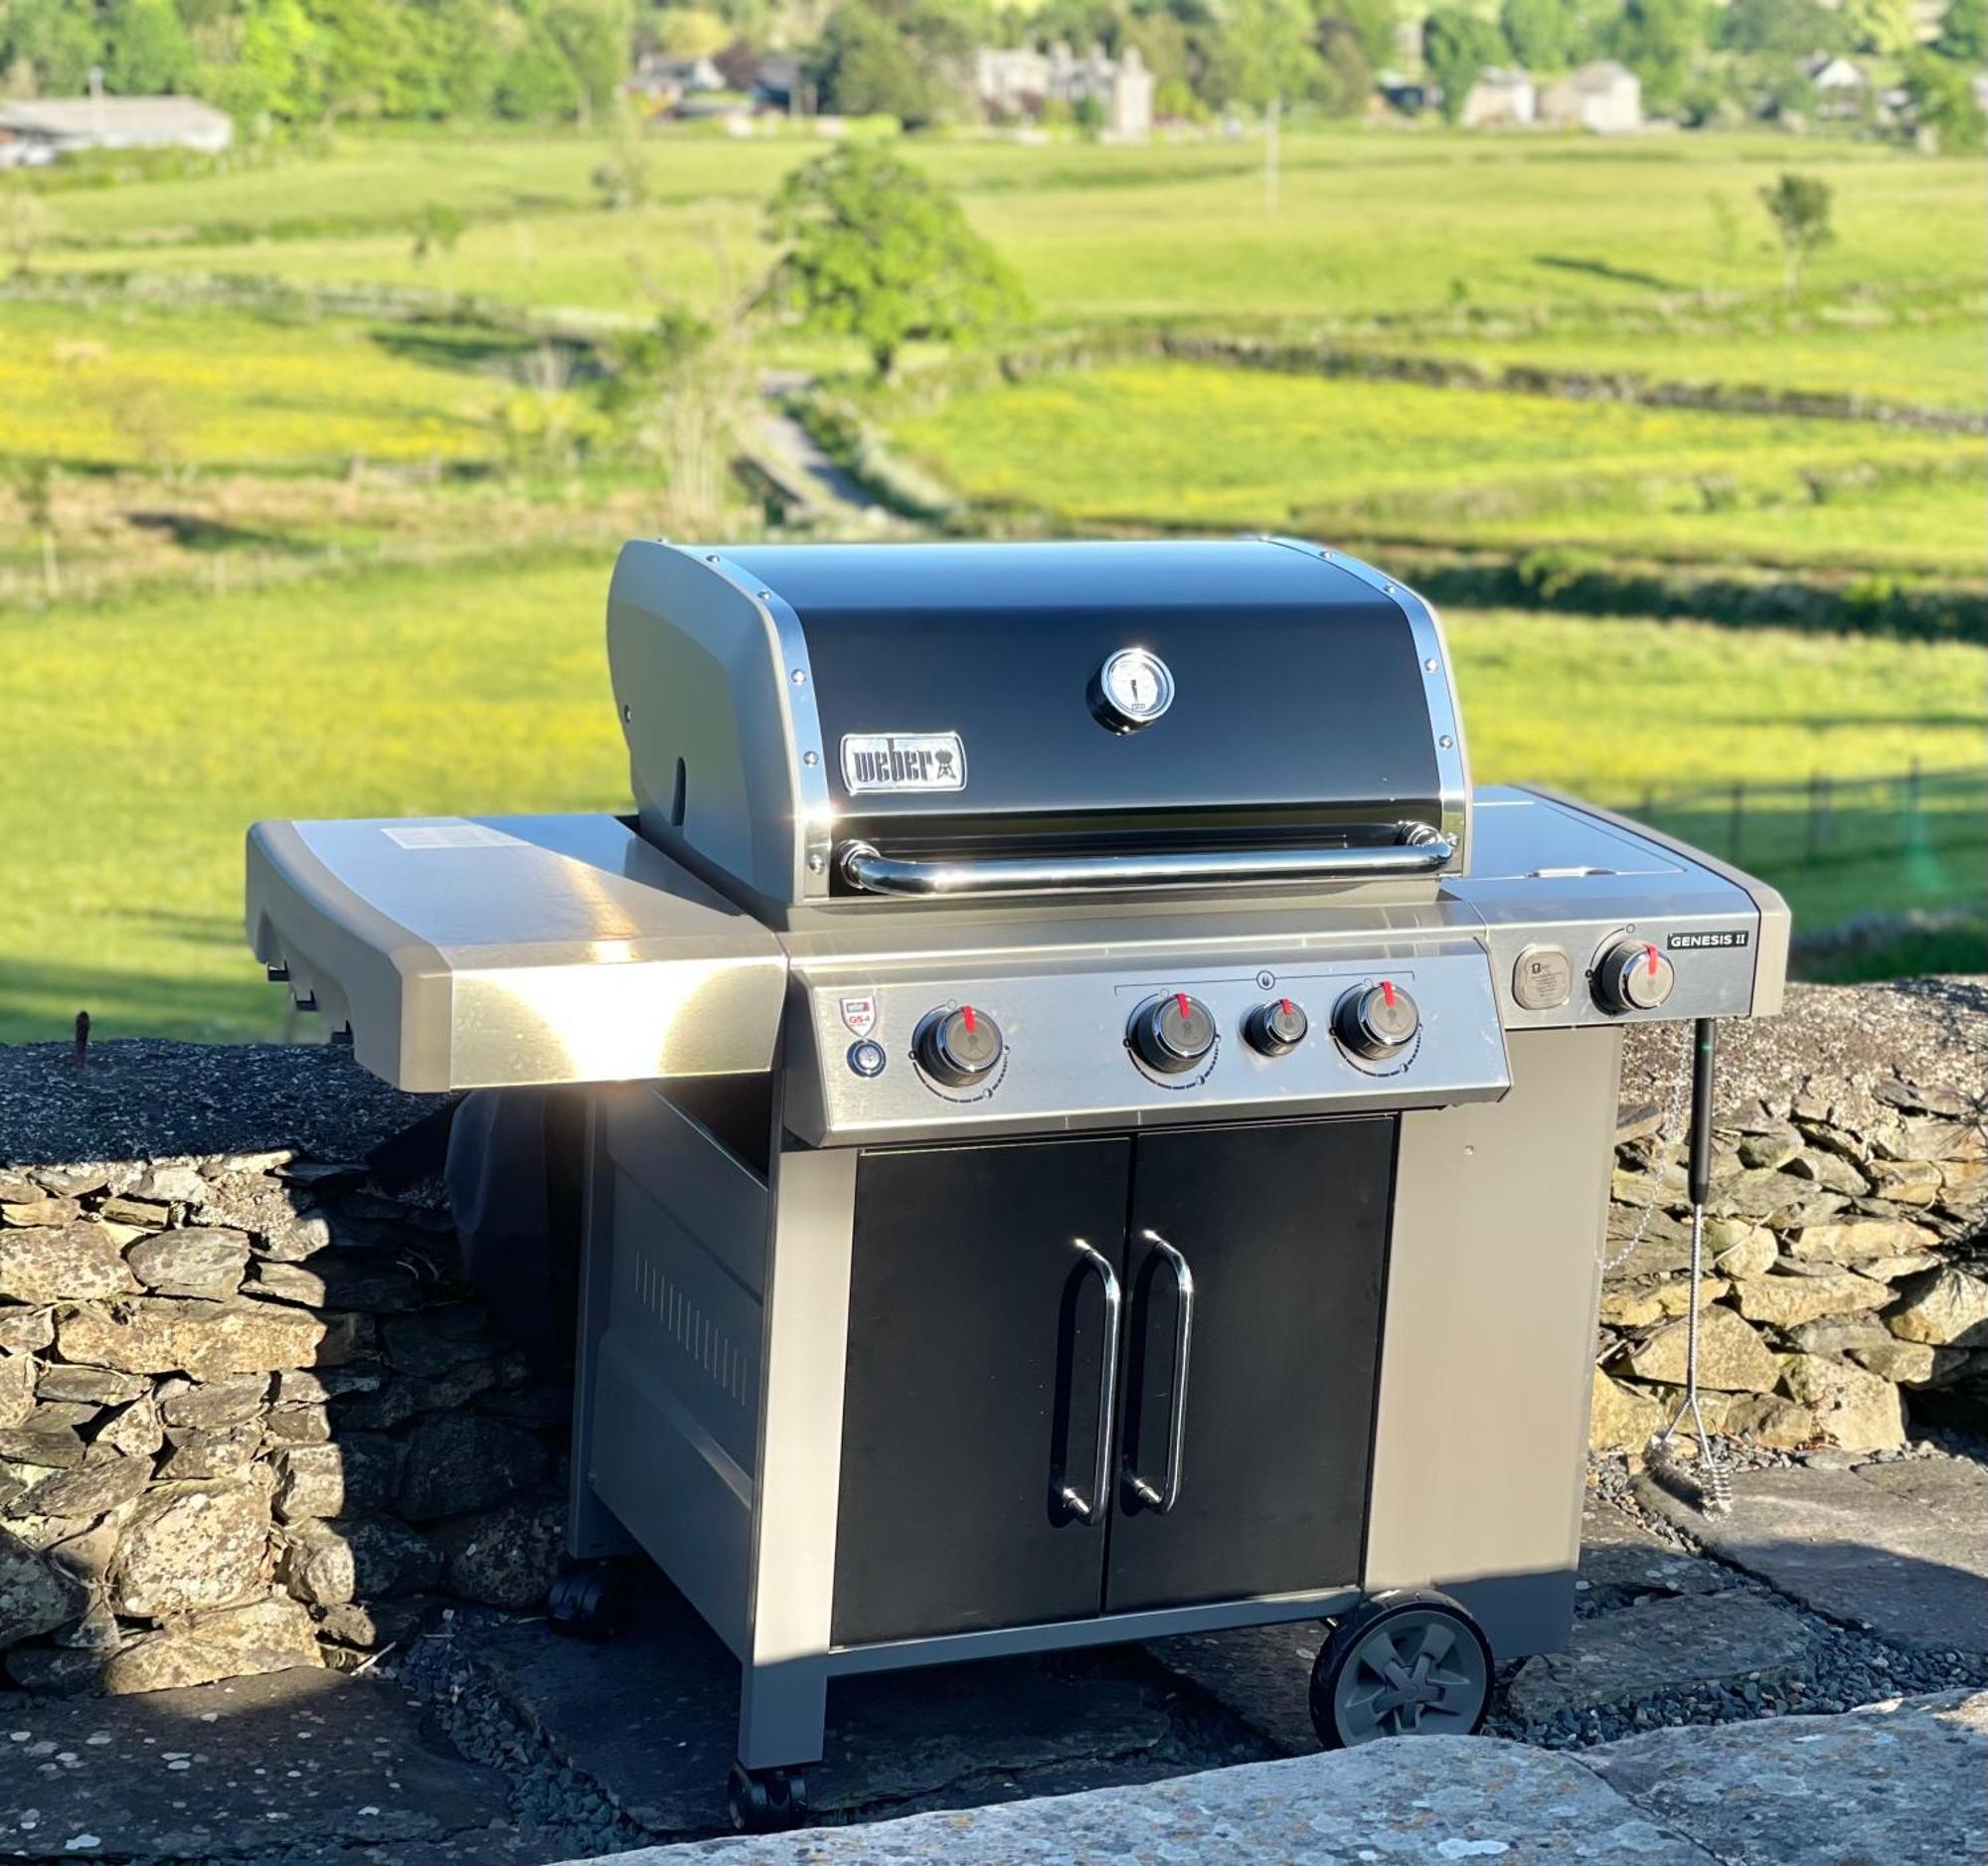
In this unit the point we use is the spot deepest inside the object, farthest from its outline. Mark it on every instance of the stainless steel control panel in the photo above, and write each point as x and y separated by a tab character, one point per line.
906	1057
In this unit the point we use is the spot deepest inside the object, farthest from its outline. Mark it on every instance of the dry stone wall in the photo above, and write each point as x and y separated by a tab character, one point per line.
249	1417
252	1419
1846	1292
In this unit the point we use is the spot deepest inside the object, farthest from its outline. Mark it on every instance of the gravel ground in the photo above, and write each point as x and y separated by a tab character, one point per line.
1852	1667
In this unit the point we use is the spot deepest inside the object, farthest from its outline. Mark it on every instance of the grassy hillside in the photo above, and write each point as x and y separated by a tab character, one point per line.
1178	445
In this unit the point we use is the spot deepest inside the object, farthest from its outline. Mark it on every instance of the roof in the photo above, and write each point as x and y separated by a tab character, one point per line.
113	116
1602	74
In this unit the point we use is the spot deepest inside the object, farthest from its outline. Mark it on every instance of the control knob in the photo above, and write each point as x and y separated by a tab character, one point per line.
1276	1028
1376	1021
1632	976
1173	1034
958	1047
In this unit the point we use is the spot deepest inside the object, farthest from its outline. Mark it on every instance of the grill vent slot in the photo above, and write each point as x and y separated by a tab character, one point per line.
703	1342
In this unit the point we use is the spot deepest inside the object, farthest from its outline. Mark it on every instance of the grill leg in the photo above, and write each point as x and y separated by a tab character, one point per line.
783	1713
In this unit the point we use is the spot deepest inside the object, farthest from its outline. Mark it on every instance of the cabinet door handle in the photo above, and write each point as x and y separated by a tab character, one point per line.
1165	1494
1089	1509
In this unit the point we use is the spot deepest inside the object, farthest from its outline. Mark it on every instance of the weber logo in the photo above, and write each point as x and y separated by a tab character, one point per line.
1700	942
903	760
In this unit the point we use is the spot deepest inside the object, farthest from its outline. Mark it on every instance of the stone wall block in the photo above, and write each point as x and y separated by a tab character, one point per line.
1731	1356
80	1262
207	1340
193	1545
1861	1412
200	1260
1943	1309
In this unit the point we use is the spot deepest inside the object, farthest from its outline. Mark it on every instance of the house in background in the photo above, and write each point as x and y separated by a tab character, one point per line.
1842	86
1017	81
1605	97
35	131
1500	100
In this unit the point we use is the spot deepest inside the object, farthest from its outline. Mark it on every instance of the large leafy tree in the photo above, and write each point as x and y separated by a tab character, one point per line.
875	249
1659	40
146	48
51	44
1963	32
1549	35
1456	46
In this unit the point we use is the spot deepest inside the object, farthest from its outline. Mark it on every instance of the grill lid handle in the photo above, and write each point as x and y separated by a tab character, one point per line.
1419	850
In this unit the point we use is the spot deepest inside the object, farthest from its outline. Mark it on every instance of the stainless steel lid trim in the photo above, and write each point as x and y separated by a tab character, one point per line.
1438	684
1421	851
807	758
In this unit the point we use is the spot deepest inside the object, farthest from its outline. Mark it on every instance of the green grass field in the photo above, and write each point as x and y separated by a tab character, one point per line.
1372	223
1180	445
141	742
137	385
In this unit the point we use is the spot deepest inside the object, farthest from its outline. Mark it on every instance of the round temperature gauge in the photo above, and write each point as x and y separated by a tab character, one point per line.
1131	690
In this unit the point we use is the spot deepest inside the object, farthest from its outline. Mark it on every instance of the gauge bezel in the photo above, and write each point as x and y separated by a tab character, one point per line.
1112	709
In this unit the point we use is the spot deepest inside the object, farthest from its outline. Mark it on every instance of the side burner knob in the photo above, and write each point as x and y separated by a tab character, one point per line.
1173	1034
958	1047
1632	976
1376	1021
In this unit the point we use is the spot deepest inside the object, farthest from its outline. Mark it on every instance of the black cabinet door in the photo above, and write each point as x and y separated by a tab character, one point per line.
1283	1231
976	1357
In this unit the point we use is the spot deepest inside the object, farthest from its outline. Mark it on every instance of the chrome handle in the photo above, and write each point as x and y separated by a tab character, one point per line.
1420	851
1087	1509
1167	1494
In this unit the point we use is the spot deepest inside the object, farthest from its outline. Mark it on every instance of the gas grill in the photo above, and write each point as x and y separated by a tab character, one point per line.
1096	1130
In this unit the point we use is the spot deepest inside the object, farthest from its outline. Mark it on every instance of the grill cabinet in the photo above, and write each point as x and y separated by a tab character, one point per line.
1087	1107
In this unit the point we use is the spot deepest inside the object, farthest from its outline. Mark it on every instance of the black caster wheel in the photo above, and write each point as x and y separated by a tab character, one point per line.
766	1801
585	1602
1397	1666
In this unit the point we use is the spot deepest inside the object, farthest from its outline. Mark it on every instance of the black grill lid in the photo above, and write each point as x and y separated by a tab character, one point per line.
1299	709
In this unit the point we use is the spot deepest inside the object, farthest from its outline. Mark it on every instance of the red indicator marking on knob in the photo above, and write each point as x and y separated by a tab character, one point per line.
966	1011
1180	1001
1285	1005
1387	992
1652	952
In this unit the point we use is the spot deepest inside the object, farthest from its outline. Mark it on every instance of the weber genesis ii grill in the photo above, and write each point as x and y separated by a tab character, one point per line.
1096	1130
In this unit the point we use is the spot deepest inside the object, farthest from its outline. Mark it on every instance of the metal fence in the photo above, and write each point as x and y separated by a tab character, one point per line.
1828	820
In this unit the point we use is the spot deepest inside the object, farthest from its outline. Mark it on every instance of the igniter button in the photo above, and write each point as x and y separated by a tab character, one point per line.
867	1056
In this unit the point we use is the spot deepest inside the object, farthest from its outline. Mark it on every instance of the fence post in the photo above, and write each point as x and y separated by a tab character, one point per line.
1739	818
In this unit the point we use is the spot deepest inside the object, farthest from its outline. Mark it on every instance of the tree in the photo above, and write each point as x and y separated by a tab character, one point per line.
1799	204
1352	38
535	81
1548	35
874	250
1964	32
1268	59
56	40
1942	102
876	60
1658	40
593	36
692	33
1456	46
1882	27
146	48
1789	29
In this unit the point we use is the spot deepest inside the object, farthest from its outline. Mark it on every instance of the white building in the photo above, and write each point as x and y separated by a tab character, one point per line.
1018	81
33	131
1606	97
1499	99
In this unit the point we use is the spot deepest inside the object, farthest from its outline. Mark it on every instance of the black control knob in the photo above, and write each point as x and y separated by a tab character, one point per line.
1632	976
1173	1034
1376	1021
958	1047
1276	1028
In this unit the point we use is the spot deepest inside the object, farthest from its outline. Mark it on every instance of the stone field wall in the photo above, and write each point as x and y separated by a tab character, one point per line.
252	1419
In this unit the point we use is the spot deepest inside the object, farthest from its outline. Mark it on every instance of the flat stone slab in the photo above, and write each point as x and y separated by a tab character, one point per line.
1897	1556
1906	1783
652	1717
1621	1561
1426	1800
1653	1646
273	1764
